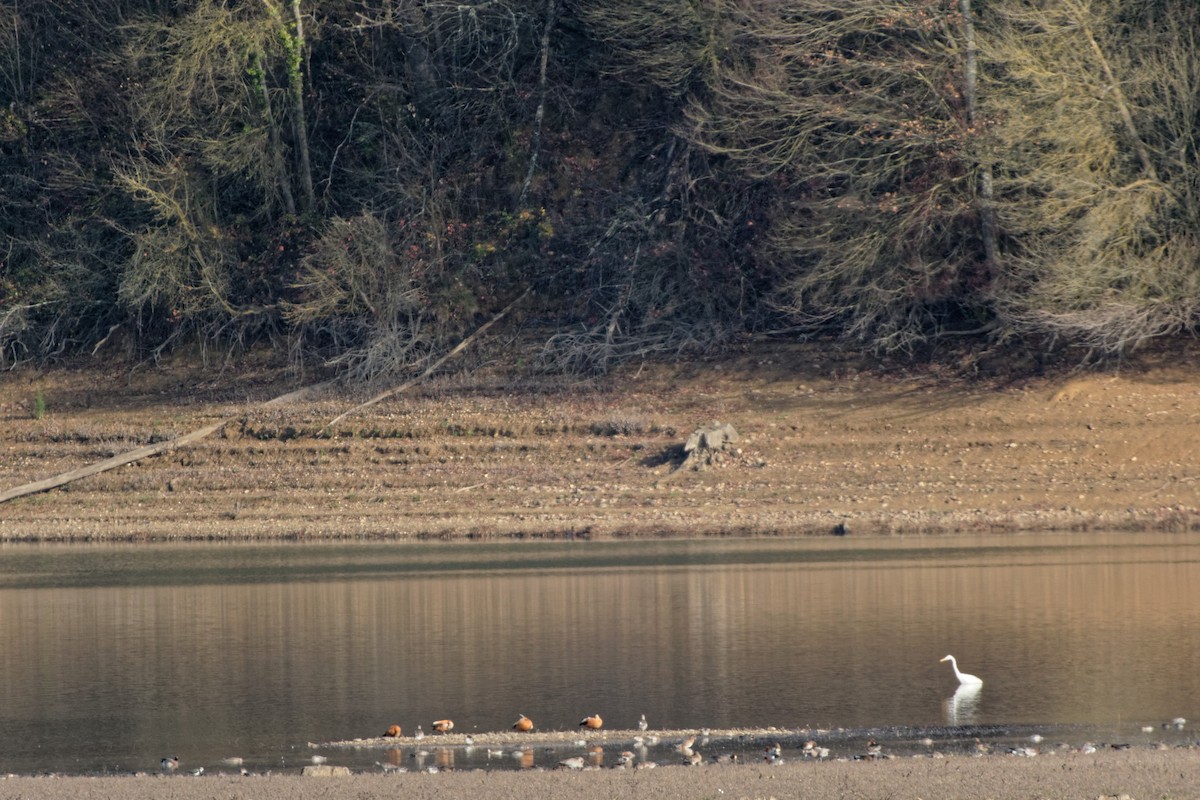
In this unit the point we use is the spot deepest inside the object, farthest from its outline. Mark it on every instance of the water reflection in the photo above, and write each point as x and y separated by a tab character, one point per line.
962	706
221	651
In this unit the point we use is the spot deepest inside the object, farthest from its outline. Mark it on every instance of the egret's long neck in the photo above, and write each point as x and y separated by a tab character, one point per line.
954	664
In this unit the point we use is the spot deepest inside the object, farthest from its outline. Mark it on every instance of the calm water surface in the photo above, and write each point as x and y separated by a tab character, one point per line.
114	656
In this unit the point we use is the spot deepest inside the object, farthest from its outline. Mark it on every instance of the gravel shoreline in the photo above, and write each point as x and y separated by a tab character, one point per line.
1134	774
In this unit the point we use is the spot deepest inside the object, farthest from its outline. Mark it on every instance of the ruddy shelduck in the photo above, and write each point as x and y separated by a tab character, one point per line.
392	732
523	724
443	725
594	722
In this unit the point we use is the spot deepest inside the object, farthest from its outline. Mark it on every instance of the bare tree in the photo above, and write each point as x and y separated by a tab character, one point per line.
854	113
1097	109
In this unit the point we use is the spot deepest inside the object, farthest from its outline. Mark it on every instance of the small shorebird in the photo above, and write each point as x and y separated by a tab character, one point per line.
170	763
443	725
523	724
420	734
393	731
642	724
594	722
814	750
685	746
574	762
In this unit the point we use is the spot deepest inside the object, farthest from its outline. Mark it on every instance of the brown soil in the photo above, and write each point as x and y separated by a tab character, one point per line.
826	441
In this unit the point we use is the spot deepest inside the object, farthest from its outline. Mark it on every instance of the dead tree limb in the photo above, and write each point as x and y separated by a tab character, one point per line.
112	463
463	345
144	452
179	441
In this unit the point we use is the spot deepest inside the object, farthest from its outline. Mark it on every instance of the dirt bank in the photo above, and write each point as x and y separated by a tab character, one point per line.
826	441
1137	775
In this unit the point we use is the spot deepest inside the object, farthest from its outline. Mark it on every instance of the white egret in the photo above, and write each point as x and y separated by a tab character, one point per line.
963	678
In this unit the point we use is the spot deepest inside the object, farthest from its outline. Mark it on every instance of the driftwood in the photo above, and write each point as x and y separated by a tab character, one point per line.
188	438
430	369
144	452
112	463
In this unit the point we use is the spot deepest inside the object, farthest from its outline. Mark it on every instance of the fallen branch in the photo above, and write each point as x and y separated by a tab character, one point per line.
188	438
463	345
143	452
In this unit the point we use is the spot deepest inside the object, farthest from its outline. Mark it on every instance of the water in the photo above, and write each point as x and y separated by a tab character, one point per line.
113	656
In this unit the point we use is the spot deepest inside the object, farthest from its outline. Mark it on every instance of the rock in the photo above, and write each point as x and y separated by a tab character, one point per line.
325	771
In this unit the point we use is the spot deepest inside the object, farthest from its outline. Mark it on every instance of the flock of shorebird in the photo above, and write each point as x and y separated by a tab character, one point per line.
523	725
594	721
687	747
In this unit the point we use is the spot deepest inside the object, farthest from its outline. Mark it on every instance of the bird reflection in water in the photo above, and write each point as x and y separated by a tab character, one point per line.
963	706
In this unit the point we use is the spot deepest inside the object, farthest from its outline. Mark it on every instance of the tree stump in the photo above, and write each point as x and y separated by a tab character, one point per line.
705	445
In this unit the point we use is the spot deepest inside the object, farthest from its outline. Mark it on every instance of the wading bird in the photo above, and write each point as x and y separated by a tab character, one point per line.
963	678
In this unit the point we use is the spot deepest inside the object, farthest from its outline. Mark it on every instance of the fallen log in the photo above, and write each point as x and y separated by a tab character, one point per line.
144	452
179	441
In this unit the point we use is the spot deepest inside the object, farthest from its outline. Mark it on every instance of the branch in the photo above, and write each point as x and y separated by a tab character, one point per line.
432	367
1118	97
147	451
535	148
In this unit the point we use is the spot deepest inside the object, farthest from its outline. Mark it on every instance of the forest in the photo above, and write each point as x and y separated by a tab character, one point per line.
365	182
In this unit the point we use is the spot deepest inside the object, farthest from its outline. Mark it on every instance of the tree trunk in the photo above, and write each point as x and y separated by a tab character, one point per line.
299	121
536	145
987	213
277	163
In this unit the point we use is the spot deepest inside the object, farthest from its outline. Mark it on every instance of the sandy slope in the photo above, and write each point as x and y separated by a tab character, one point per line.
824	442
